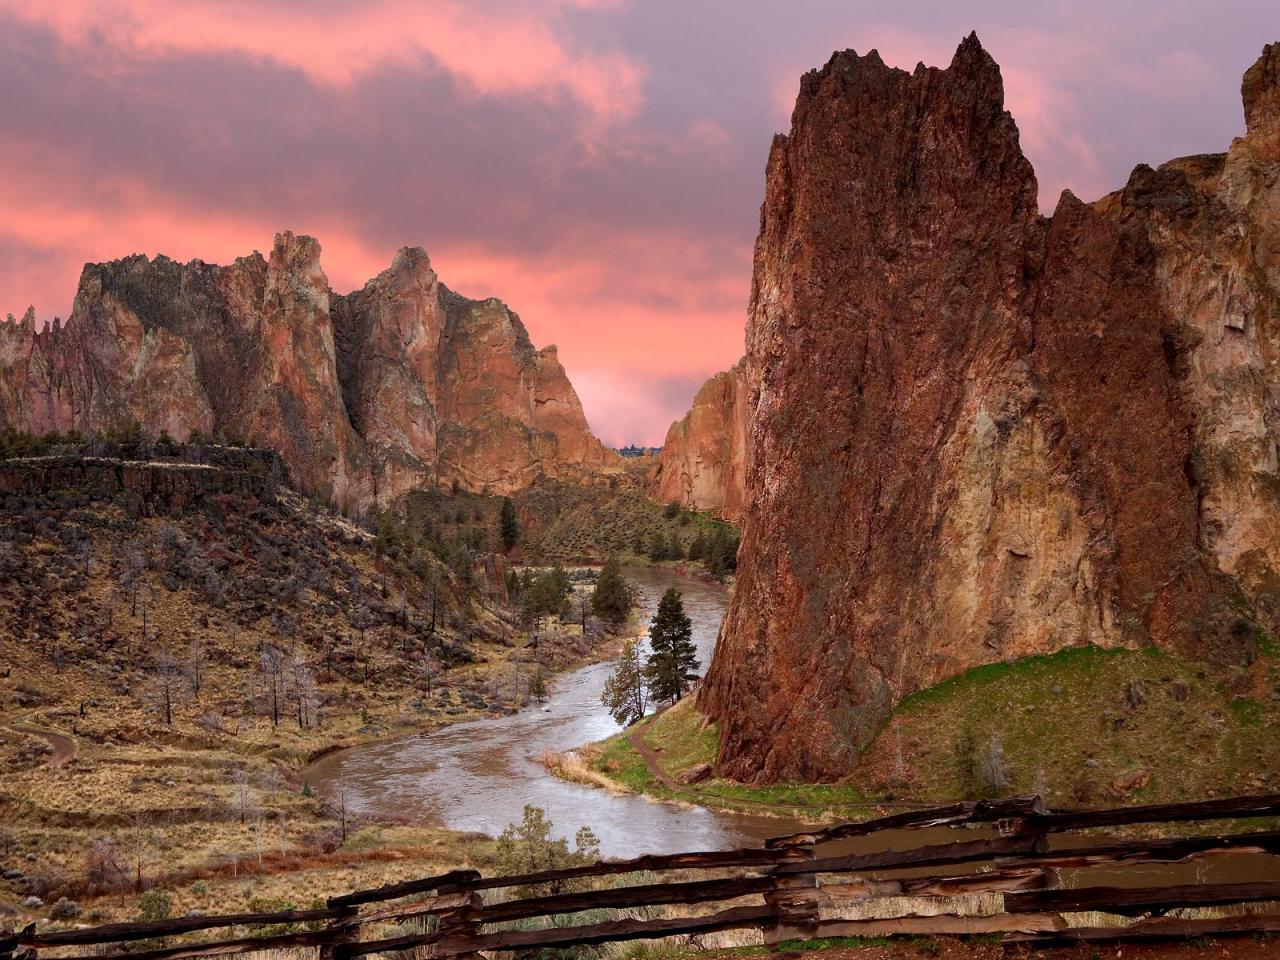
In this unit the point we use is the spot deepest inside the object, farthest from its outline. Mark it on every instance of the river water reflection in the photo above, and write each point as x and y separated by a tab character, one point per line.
479	775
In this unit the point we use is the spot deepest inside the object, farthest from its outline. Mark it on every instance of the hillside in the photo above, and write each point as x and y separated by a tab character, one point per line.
568	523
180	631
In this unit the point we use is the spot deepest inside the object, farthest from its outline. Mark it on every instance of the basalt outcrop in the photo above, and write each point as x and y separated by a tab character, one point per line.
151	487
978	433
703	460
365	396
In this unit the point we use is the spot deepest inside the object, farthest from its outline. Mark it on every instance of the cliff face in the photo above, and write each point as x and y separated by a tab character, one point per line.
365	396
704	458
978	433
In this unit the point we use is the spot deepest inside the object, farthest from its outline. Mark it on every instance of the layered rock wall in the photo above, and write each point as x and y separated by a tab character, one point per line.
365	396
157	488
703	461
978	433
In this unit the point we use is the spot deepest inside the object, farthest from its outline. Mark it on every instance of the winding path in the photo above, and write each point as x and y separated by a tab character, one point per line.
64	747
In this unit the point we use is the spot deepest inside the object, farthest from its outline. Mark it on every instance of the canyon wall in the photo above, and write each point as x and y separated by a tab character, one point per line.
978	433
365	396
703	461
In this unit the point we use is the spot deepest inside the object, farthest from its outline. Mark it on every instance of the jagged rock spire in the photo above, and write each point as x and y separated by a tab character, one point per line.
1260	91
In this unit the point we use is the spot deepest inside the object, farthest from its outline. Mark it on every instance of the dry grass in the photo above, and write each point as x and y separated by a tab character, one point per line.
74	660
572	767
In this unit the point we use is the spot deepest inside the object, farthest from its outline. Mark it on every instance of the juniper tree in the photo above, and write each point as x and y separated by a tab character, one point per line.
613	598
508	524
673	662
626	692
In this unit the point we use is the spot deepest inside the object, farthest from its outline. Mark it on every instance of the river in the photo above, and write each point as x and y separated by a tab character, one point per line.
478	775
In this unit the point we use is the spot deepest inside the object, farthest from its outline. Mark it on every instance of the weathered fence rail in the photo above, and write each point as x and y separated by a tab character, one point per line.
791	888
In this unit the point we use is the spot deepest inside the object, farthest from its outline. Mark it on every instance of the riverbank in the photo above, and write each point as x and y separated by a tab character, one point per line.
668	756
106	799
1079	727
477	776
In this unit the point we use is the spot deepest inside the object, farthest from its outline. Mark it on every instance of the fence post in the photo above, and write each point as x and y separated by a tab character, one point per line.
9	940
462	924
794	898
346	931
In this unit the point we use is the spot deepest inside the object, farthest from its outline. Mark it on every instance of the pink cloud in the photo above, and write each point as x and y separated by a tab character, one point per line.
508	51
625	308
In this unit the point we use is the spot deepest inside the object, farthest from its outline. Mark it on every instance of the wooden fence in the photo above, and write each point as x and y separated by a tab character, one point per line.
792	888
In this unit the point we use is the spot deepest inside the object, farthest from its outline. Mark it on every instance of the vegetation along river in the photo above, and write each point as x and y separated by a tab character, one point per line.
478	775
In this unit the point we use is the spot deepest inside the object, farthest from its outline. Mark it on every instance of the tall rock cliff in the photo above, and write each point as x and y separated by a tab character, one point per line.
365	396
978	433
704	458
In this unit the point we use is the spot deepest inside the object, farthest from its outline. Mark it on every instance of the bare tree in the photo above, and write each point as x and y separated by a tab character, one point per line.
112	598
84	550
243	799
271	669
135	563
425	671
302	689
341	809
140	842
104	867
362	619
272	780
193	666
142	596
162	690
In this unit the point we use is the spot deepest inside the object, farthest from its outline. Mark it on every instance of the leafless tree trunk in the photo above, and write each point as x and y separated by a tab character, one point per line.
162	690
302	689
194	667
271	668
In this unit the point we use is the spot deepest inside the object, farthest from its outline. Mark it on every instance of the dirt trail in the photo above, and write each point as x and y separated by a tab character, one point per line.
636	736
64	747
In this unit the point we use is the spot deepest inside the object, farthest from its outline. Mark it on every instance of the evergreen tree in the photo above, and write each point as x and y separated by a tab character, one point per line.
508	524
673	662
626	694
722	551
698	547
558	590
613	598
658	548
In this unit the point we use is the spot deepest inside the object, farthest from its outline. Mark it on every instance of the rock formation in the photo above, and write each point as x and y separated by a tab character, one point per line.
978	433
703	460
365	396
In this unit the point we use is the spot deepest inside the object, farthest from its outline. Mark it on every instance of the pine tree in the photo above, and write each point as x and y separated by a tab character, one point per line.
559	588
626	694
508	524
698	547
613	598
673	663
722	551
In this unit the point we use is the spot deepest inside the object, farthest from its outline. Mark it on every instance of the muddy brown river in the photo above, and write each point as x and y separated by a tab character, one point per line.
479	775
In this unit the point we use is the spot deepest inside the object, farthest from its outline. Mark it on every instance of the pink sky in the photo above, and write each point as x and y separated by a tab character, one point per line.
597	164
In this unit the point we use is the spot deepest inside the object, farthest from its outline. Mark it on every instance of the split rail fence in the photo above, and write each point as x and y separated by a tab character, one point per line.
792	888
